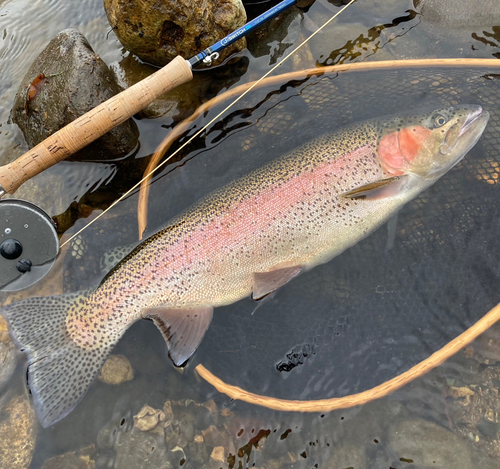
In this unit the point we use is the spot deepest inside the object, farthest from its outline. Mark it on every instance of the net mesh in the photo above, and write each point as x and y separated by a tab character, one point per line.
385	304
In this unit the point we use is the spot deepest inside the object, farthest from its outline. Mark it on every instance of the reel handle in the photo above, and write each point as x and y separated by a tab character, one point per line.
93	124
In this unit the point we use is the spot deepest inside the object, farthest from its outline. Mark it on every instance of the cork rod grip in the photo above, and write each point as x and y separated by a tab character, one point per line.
94	124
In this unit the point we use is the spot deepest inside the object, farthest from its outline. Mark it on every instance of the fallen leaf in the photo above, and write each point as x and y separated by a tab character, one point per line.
36	86
34	89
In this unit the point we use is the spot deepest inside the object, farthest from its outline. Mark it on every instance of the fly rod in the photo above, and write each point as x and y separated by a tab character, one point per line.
100	120
24	227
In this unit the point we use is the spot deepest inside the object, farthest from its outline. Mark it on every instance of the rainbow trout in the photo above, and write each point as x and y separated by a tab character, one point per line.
248	238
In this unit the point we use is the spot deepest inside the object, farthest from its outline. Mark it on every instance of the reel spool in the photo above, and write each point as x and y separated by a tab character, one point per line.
28	244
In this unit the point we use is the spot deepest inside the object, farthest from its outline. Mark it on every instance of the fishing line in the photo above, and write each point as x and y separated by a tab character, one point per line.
217	117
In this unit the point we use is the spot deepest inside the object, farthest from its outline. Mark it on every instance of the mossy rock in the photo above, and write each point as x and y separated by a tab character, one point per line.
65	81
159	30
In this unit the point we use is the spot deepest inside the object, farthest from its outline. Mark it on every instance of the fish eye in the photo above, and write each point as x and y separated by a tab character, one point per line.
439	120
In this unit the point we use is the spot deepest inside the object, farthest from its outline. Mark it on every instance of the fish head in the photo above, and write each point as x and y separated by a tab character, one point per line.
429	143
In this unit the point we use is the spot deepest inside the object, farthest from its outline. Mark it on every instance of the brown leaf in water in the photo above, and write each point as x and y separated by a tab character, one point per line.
36	86
34	89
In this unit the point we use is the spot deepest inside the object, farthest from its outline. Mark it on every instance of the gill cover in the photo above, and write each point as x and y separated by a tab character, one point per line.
429	143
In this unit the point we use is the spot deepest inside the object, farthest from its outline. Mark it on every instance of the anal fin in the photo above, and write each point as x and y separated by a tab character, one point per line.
267	282
182	329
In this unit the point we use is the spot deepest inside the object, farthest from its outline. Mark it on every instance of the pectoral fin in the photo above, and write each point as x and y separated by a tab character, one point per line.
182	329
266	282
378	190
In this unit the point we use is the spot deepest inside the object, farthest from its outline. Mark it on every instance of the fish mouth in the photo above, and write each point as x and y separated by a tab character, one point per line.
471	118
463	140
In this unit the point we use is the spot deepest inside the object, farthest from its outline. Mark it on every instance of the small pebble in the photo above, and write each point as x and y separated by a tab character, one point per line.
226	412
116	370
169	413
211	406
148	418
218	454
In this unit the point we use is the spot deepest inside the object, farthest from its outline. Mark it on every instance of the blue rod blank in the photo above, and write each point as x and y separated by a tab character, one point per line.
240	32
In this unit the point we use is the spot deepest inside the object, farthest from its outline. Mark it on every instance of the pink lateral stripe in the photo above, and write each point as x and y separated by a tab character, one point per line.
257	213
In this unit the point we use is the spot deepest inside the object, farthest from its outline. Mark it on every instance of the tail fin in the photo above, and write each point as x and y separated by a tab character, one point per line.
59	371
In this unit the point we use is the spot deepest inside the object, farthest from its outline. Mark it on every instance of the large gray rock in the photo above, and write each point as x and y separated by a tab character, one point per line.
141	450
82	459
18	429
348	456
460	13
428	445
76	80
159	30
177	104
8	355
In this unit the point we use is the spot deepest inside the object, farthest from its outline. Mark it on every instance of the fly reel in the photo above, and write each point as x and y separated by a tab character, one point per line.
28	244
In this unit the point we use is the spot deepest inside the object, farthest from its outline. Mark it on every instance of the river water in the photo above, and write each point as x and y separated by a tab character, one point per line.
343	328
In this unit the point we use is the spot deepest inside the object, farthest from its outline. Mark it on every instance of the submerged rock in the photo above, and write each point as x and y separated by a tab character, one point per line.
148	418
137	449
158	31
8	356
82	459
163	438
121	445
473	401
460	13
348	456
18	429
179	103
427	445
116	370
65	81
467	29
486	348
